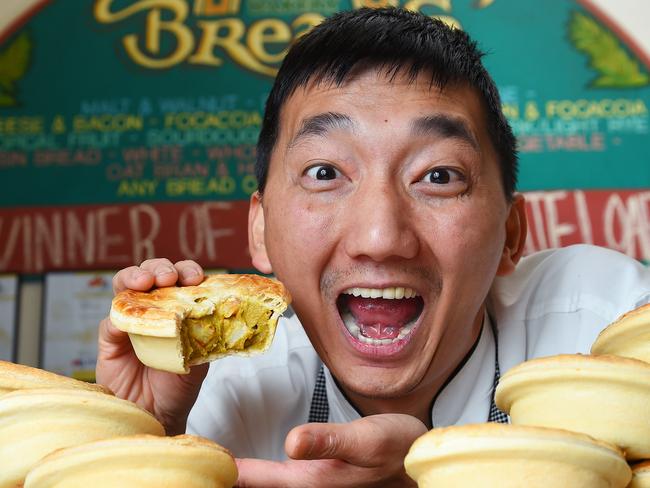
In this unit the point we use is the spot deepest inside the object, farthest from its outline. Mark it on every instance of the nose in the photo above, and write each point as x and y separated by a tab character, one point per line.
379	227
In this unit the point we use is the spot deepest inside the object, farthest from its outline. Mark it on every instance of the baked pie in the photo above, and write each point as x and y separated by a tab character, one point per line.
173	328
512	456
607	397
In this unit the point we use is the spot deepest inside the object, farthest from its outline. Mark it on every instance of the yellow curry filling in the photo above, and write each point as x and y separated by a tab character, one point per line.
235	325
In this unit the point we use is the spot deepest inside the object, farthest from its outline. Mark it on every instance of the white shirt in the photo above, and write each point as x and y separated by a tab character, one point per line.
555	302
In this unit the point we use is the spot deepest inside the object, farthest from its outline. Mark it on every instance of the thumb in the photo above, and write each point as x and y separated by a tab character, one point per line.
111	340
363	442
196	375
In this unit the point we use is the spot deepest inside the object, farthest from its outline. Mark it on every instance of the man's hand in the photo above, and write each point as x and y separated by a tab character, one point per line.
168	396
368	452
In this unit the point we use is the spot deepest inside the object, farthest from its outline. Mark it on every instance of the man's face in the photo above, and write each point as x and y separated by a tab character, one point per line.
388	189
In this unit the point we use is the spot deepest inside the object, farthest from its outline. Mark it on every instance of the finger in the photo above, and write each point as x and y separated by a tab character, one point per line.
196	375
257	473
320	441
189	272
111	336
254	473
163	270
133	278
367	442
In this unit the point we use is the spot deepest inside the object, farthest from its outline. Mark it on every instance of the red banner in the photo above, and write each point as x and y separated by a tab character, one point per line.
114	236
215	233
618	220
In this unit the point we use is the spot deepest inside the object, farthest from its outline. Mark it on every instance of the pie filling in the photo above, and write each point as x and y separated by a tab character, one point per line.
380	316
235	325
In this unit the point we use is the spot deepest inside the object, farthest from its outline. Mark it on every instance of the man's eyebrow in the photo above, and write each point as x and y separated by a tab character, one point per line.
445	126
319	125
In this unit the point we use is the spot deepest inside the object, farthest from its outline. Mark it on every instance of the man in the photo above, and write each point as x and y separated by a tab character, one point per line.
386	205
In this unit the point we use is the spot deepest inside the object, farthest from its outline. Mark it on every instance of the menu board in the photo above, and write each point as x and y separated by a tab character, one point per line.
74	304
138	120
8	307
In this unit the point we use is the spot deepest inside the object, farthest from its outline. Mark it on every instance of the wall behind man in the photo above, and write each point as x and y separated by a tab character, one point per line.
128	128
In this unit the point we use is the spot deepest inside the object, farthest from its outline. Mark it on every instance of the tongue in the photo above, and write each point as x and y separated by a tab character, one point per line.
380	318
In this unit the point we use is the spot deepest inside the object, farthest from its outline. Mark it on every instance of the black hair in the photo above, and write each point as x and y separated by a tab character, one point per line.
394	40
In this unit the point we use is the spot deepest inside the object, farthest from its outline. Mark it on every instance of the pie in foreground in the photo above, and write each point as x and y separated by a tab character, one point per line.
141	461
512	456
628	336
36	422
20	377
606	397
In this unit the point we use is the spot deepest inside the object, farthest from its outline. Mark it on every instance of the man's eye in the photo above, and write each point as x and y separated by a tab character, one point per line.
323	172
442	176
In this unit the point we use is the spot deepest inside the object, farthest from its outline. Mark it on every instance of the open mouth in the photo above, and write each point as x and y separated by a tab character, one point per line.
380	316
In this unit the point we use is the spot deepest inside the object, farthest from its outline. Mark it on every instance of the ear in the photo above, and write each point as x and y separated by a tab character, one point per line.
256	238
516	231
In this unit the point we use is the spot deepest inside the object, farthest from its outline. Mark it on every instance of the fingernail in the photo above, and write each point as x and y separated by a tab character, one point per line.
189	273
140	273
307	441
163	270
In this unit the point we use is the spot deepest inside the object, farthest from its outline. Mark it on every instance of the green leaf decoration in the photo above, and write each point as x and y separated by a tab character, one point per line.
607	56
14	60
7	100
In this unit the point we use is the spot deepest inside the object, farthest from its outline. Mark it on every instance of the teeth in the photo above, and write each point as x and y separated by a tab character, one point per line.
404	332
355	332
354	329
390	293
375	342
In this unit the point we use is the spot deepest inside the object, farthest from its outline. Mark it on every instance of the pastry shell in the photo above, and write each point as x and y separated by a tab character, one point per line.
607	397
36	422
512	456
628	336
640	475
155	320
19	377
142	461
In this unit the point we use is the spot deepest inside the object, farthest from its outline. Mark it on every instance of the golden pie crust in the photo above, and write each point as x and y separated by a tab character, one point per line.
640	475
512	456
36	422
607	397
174	328
142	461
628	336
19	377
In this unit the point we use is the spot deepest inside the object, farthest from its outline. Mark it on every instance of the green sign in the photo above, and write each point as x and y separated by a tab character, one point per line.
117	101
